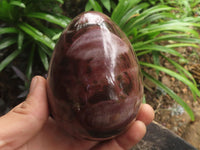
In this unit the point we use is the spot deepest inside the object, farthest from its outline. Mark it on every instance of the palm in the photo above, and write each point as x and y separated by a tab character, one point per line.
29	127
52	137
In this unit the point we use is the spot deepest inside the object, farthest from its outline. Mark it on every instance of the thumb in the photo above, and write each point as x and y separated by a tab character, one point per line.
25	120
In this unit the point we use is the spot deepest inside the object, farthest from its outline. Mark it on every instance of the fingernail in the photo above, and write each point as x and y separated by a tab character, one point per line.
33	84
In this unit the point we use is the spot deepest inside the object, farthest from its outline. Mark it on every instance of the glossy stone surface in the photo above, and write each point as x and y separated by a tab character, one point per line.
94	81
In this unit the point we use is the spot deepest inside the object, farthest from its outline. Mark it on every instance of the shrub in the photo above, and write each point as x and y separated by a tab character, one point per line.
27	27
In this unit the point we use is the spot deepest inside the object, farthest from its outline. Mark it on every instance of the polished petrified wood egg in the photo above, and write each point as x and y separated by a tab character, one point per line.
94	82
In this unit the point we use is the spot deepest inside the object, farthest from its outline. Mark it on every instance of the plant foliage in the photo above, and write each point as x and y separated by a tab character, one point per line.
28	24
148	25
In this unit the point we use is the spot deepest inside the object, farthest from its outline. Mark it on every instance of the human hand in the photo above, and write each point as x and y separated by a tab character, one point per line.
29	127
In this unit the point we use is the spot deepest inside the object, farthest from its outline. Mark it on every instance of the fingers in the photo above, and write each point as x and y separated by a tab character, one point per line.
146	114
52	137
138	129
124	142
134	134
26	119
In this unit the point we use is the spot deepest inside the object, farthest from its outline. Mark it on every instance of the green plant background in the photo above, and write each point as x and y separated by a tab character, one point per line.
30	29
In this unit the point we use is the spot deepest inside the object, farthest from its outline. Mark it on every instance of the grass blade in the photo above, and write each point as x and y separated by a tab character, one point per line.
60	1
46	30
186	81
44	59
122	8
137	20
172	94
88	6
156	59
182	70
18	3
143	52
167	27
9	59
182	45
37	35
7	42
7	30
158	48
132	12
95	6
56	36
169	36
20	40
45	49
152	18
30	63
186	39
106	4
50	18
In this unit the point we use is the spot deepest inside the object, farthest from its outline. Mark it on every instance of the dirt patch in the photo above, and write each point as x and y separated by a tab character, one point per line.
169	113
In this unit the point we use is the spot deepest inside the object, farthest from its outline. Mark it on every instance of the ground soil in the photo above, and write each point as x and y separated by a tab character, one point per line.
169	113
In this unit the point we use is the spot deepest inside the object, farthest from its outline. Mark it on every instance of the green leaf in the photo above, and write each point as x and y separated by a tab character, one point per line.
152	18
182	45
194	3
185	22
4	10
45	49
169	36
95	6
60	1
56	36
37	35
113	5
191	19
44	59
144	100
142	17
182	70
172	94
88	6
30	63
18	3
50	18
9	59
46	30
7	30
176	75
156	59
143	52
158	48
122	8
7	42
167	27
133	12
20	40
106	4
186	39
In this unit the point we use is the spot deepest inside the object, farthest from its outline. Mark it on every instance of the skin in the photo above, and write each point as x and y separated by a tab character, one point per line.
29	127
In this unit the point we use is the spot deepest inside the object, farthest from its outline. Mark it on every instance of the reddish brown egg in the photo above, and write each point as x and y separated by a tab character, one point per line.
94	81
